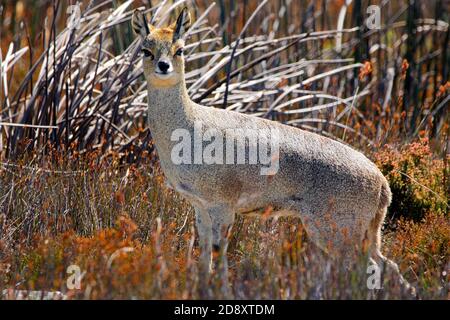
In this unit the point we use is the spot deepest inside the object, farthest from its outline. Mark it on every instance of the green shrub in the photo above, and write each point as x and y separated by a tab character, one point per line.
417	180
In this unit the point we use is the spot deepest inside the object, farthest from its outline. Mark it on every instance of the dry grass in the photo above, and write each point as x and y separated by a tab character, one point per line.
91	214
84	85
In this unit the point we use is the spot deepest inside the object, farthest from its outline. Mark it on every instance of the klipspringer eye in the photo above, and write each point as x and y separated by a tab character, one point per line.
148	53
179	52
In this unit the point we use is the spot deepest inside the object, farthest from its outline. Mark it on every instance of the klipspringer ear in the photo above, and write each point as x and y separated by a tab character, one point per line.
139	23
182	24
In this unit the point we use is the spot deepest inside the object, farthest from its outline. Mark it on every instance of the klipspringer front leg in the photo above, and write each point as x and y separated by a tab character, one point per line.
204	230
222	219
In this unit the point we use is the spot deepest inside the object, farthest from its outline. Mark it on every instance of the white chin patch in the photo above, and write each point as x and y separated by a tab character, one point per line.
164	75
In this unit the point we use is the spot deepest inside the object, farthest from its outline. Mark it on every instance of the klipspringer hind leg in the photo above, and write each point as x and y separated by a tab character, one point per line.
374	238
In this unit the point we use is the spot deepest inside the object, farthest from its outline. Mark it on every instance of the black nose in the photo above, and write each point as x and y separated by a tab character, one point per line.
163	66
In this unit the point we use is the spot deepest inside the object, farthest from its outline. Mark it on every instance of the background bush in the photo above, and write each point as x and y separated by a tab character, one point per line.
418	181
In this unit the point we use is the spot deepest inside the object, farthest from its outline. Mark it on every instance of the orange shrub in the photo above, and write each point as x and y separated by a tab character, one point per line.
423	250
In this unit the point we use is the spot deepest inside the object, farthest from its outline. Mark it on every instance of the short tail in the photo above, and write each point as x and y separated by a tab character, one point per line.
374	232
385	195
